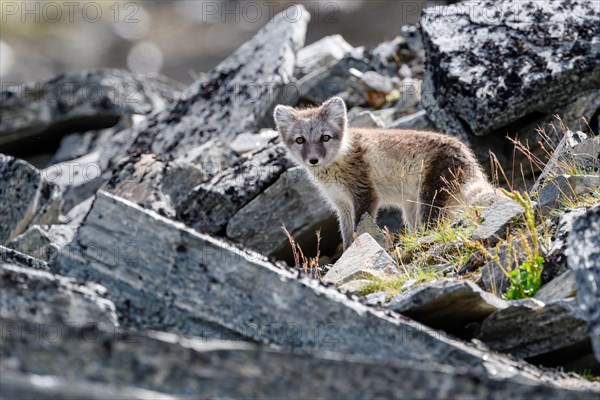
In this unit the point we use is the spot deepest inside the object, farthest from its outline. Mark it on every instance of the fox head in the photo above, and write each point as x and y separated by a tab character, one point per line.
314	137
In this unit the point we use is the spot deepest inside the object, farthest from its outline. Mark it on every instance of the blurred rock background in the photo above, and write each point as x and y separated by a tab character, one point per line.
180	39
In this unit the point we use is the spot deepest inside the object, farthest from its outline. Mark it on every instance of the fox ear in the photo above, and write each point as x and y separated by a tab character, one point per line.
334	111
284	117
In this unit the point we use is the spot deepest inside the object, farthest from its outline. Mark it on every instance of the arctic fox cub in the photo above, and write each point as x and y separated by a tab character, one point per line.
360	170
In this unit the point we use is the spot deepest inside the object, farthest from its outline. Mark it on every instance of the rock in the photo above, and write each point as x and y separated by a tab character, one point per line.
321	53
10	256
496	219
43	242
235	97
16	385
583	258
528	328
246	142
564	188
39	296
446	304
418	120
555	261
165	365
377	298
561	287
79	101
354	286
293	202
211	205
76	215
367	225
364	258
139	179
175	278
26	198
364	119
468	92
557	161
493	276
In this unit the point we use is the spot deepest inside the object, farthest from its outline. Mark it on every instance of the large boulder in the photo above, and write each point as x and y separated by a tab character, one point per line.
491	63
166	275
26	198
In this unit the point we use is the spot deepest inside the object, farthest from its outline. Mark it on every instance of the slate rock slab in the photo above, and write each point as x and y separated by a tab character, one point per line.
291	201
177	278
528	329
40	296
160	364
548	54
496	219
446	304
237	96
79	101
583	258
565	187
26	198
365	258
43	242
11	256
561	287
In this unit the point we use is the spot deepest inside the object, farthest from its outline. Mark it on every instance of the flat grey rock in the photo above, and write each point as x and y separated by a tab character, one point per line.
366	224
43	242
364	258
321	53
496	219
583	258
292	201
157	365
561	287
468	92
565	187
446	304
40	296
528	328
26	198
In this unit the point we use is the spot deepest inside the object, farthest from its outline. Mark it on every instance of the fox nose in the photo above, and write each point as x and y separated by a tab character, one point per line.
313	161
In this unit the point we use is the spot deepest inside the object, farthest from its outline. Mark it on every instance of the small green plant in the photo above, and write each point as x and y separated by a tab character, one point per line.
525	280
588	376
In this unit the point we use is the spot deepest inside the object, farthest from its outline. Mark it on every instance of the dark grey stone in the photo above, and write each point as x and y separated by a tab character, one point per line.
79	101
496	219
10	256
446	304
583	258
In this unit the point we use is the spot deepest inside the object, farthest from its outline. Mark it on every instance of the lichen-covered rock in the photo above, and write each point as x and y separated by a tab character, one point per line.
364	258
237	96
39	296
291	202
583	258
11	256
77	101
26	198
555	261
468	91
447	305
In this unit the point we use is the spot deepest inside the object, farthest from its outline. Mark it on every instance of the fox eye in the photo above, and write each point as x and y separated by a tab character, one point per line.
300	140
325	138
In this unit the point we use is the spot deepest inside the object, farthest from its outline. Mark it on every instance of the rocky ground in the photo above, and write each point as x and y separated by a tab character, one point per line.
145	257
